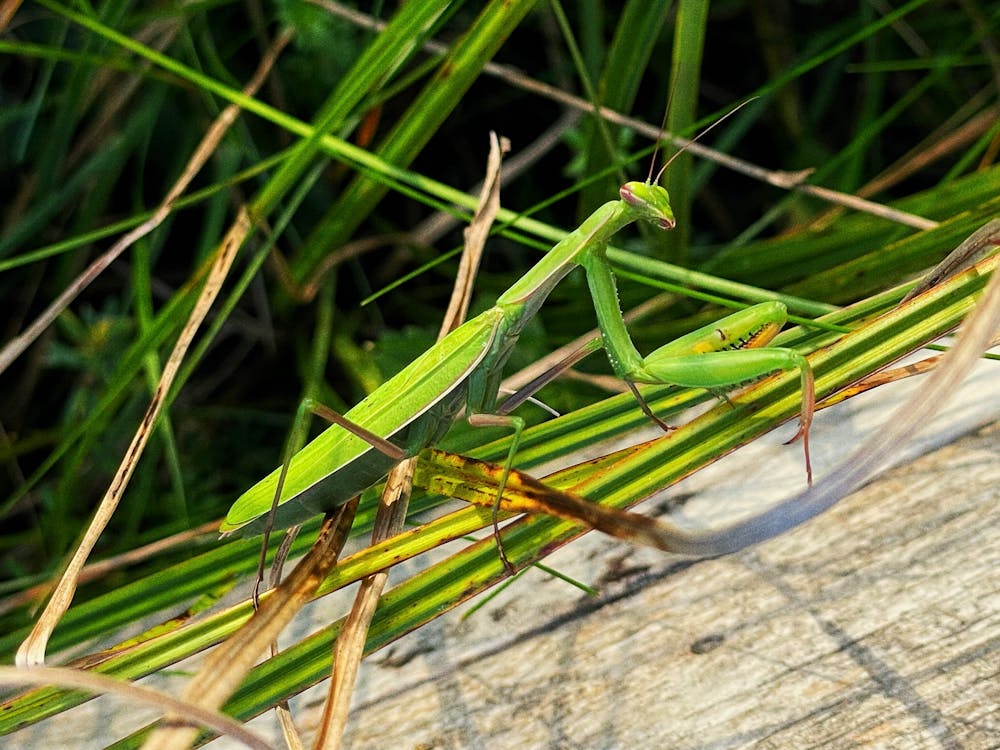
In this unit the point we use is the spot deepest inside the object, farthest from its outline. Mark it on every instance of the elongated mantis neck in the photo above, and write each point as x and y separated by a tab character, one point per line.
638	201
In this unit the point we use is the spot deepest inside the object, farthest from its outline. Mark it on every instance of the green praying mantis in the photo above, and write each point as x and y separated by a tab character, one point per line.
414	408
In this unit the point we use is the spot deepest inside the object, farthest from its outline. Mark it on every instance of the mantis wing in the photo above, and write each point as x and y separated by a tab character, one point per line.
415	407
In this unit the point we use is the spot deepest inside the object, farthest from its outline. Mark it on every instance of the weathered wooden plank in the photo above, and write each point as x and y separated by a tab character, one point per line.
877	625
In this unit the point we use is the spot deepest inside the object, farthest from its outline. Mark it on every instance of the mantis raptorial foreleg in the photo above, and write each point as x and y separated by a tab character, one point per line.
720	356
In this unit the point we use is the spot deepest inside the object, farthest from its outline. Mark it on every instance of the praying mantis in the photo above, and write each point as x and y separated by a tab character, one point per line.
414	408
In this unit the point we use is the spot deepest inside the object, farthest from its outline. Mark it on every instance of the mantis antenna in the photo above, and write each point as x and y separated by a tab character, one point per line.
684	148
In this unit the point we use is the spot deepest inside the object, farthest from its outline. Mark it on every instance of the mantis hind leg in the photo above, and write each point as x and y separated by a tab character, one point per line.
644	406
517	425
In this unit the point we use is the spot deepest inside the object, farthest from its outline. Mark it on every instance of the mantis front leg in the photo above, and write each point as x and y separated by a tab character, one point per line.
719	357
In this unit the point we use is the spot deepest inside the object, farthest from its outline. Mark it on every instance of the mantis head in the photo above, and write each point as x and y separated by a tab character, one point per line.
650	202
